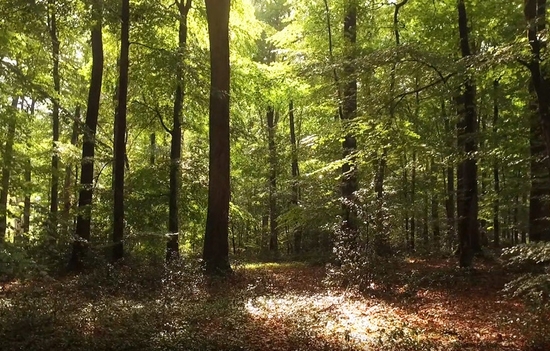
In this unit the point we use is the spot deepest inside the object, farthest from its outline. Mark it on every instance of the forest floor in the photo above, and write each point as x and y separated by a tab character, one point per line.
422	305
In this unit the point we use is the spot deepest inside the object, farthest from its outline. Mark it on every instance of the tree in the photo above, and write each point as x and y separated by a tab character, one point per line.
6	167
349	111
216	245
54	192
83	221
119	161
172	246
467	200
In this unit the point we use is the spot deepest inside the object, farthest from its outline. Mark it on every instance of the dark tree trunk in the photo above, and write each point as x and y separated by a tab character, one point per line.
153	146
450	183
535	15
295	199
412	243
435	206
54	190
27	200
539	206
349	111
83	221
120	134
331	57
496	180
172	246
6	168
273	216
69	176
216	246
468	229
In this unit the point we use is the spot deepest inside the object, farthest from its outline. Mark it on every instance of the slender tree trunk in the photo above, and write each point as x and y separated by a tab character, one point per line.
349	111
295	199
435	206
273	216
85	195
172	246
496	180
413	194
332	62
450	182
6	168
120	134
153	151
27	199
67	183
216	246
54	190
468	229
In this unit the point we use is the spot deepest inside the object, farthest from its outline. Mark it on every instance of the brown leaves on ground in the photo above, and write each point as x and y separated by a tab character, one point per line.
422	305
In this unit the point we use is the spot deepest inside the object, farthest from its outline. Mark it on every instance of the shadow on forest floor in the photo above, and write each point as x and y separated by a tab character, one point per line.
425	305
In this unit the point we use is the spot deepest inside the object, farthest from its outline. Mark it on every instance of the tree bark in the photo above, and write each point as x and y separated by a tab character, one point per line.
54	190
172	246
216	245
331	57
450	182
496	180
539	206
153	151
349	112
295	199
85	195
535	15
27	199
67	183
120	134
6	167
273	215
468	228
412	243
435	206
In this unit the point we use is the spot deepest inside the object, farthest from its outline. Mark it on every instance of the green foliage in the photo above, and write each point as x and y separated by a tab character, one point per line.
15	263
533	287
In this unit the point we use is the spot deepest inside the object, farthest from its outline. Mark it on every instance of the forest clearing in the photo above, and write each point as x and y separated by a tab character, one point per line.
424	305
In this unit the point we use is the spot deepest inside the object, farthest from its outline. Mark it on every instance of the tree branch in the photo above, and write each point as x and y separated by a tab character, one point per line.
157	112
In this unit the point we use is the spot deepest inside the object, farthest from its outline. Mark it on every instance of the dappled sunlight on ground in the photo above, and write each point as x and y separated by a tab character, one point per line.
428	306
329	314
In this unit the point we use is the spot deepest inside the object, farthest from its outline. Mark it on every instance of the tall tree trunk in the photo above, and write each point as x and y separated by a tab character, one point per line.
468	229
27	199
120	134
435	206
332	62
54	190
216	245
412	238
6	167
153	146
496	180
69	176
349	112
273	215
539	206
450	183
172	246
535	15
85	195
295	199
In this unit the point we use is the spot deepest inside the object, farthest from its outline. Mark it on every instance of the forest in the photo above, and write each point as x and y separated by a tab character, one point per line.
274	175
